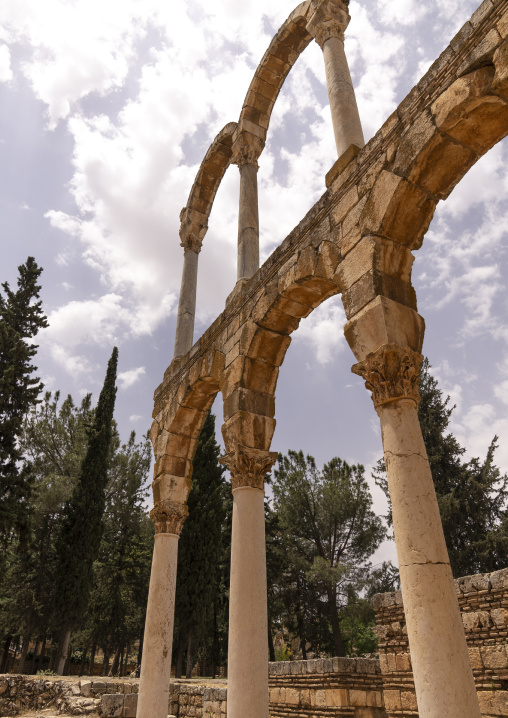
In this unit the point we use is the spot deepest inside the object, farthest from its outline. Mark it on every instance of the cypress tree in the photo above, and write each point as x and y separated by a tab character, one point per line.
21	317
200	552
82	524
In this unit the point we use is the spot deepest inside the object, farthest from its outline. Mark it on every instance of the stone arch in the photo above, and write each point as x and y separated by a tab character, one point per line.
194	216
177	424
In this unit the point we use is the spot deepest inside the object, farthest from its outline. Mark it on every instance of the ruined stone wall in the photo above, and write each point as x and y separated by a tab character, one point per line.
483	601
337	687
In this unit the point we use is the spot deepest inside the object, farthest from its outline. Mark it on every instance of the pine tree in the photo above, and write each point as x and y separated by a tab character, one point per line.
329	530
472	495
82	526
199	550
21	317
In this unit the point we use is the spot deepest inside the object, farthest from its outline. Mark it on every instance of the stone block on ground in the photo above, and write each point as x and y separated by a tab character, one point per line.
112	705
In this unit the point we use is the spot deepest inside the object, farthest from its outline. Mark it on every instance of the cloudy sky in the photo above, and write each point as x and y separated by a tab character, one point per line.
106	110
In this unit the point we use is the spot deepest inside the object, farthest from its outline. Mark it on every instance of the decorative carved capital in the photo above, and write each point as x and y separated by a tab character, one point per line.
169	517
192	231
246	150
328	18
391	373
248	467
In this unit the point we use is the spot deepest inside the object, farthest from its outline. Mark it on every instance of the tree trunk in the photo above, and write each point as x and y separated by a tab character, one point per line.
334	620
188	672
92	659
213	666
301	634
179	659
67	666
41	656
83	661
63	647
140	653
114	665
125	668
271	648
31	671
105	663
5	654
24	652
13	664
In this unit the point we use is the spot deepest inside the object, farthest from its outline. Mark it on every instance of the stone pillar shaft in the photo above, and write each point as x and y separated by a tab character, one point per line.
248	622
347	126
248	222
442	673
187	304
158	639
443	677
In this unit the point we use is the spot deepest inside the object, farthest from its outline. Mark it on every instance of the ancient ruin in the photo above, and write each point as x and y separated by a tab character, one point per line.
357	240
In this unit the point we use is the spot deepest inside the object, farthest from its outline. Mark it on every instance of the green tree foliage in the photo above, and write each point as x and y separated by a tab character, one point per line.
472	495
200	586
21	318
82	526
116	613
328	531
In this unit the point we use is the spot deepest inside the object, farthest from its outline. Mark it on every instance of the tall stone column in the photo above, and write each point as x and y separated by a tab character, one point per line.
327	24
246	150
187	302
442	673
153	698
248	617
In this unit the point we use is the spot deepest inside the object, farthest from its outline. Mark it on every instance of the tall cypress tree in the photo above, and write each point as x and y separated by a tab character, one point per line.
82	525
199	553
21	317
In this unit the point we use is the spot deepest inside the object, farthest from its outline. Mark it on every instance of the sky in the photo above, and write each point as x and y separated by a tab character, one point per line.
106	111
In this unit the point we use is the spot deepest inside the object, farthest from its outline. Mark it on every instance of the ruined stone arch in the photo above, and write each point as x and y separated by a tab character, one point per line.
357	240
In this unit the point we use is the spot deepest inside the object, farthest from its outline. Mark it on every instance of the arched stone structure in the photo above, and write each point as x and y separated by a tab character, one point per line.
357	240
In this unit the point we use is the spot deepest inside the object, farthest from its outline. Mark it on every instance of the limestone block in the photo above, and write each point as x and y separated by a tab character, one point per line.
481	53
378	254
252	374
403	662
352	219
500	80
475	658
248	400
327	259
384	321
112	705
392	700
267	346
251	430
502	26
493	703
344	205
130	705
481	13
85	687
173	465
336	697
499	617
178	445
397	209
291	307
98	687
469	111
318	698
171	488
311	292
358	698
499	579
494	657
292	696
476	619
408	701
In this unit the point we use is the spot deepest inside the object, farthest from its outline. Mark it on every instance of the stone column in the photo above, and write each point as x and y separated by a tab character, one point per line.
248	619
246	150
158	640
187	302
442	673
327	24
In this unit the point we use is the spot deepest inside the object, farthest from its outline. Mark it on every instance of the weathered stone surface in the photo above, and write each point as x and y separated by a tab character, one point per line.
112	705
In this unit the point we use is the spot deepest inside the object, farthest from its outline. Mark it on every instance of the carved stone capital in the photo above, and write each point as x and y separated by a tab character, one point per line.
246	150
192	231
391	373
169	517
328	18
248	467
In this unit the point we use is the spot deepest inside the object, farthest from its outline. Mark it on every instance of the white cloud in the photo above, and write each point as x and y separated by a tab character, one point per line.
134	417
130	377
323	330
5	64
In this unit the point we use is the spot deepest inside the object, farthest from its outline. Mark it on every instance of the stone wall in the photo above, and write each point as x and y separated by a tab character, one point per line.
337	687
483	600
